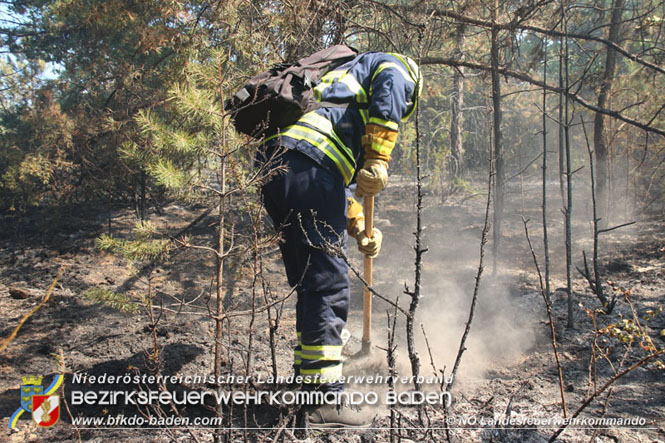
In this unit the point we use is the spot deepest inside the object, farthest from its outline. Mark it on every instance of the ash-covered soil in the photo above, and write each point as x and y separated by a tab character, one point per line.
508	369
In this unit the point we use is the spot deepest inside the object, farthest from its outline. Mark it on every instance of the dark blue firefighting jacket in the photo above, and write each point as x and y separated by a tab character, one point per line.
379	88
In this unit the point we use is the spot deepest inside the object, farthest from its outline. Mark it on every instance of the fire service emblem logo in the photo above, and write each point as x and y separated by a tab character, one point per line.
40	402
45	410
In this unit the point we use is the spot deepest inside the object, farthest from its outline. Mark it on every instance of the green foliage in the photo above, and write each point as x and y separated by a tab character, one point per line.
167	174
35	164
143	247
630	329
122	101
113	59
106	297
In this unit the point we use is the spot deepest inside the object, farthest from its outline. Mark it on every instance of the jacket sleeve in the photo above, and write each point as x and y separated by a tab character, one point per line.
391	89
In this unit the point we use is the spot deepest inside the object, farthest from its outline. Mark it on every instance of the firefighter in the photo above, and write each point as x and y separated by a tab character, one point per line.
325	152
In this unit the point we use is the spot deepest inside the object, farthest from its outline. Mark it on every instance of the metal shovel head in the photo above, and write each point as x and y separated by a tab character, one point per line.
353	347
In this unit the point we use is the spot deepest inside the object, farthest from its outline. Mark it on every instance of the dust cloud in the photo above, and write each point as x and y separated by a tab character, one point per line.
500	331
503	327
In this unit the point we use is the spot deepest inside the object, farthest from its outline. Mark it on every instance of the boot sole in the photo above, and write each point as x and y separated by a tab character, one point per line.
323	426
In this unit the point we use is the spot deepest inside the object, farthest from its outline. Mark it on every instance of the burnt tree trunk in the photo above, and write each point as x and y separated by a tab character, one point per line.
457	101
499	172
546	248
601	148
568	205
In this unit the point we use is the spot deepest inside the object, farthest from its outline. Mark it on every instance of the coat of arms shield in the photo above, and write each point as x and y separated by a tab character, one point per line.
46	410
31	386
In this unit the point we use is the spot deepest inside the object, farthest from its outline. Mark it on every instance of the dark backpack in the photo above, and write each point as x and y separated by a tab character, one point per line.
280	96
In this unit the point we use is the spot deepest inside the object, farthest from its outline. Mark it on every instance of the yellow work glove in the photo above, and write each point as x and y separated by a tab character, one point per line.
355	225
354	216
372	178
368	246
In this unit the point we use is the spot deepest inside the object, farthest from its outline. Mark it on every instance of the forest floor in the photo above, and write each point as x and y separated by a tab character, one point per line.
507	370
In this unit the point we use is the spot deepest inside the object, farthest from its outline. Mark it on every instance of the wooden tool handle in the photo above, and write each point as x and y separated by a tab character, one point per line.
367	295
368	210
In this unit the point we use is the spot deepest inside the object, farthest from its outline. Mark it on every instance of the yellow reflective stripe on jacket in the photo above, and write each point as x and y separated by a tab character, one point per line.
346	79
414	75
324	352
320	141
385	123
324	125
364	113
323	375
417	79
326	81
355	87
392	65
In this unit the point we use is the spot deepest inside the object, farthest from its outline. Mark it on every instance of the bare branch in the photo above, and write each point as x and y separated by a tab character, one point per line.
527	78
609	383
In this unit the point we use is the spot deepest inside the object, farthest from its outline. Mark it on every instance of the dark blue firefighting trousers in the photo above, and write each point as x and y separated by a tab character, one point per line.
308	205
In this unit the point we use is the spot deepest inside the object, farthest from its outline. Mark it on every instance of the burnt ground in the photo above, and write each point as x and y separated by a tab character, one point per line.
508	368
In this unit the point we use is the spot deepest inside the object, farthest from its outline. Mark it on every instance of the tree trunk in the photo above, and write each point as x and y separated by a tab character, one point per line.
457	101
562	97
219	287
546	248
498	138
568	208
600	144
